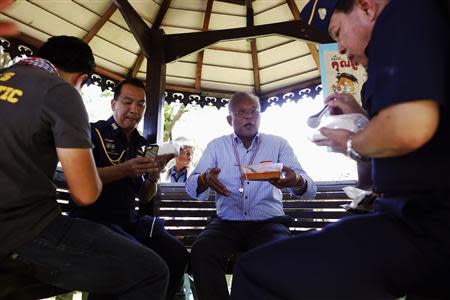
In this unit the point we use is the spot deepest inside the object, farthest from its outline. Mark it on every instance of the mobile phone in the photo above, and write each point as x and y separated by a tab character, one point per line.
151	151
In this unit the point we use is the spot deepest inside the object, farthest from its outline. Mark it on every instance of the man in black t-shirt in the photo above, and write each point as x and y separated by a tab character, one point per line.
404	246
43	120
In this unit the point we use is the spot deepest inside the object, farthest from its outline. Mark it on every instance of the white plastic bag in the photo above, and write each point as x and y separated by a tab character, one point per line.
351	122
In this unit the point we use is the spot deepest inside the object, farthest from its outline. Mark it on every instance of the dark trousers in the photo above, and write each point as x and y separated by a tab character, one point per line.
76	254
220	241
402	248
164	244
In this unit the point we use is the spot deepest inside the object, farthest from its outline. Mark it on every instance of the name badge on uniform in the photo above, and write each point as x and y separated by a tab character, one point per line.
110	146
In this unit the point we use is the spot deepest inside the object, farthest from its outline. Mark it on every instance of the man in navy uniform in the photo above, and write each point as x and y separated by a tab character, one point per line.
404	246
127	174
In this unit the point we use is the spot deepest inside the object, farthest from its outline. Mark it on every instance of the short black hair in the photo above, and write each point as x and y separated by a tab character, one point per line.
133	81
345	6
69	54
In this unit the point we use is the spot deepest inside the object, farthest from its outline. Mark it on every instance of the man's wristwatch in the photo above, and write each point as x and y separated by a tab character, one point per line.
301	189
353	154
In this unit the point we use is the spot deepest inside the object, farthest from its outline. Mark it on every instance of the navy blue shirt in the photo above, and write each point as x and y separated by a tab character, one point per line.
116	204
408	60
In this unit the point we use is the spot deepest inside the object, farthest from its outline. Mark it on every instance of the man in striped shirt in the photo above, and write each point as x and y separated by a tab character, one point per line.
249	213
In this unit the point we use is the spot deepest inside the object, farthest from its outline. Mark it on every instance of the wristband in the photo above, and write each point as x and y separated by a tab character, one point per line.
299	190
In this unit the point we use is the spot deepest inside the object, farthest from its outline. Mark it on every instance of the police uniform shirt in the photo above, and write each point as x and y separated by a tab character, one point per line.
38	112
116	204
407	55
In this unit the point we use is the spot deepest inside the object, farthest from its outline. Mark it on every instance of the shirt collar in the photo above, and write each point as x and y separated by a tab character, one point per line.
173	171
254	141
118	132
40	63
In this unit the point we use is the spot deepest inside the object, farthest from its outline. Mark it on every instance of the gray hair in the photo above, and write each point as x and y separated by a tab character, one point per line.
238	96
183	141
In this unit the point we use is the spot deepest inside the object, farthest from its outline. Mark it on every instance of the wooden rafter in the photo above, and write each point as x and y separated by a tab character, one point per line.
137	65
29	40
255	66
161	13
108	74
228	50
199	66
156	24
312	47
151	41
96	28
238	2
181	44
138	27
251	23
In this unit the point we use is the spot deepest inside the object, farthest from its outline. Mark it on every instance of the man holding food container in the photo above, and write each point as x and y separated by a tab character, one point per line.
244	170
403	247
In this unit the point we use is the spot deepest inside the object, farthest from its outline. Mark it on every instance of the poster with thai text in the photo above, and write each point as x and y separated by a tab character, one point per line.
338	73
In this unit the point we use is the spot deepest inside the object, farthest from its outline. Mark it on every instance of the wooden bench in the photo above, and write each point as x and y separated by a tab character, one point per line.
185	218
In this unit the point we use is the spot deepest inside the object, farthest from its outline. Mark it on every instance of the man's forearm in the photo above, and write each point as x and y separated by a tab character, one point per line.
398	130
202	184
111	173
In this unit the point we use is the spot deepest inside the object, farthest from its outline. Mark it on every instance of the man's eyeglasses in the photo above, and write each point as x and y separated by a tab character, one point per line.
242	113
186	152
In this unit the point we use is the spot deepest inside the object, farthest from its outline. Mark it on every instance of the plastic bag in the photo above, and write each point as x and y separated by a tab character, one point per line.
351	122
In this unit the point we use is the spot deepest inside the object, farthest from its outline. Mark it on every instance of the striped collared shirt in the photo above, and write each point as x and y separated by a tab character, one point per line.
260	199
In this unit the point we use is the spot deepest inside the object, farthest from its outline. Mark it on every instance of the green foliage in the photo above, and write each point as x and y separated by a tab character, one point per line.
172	113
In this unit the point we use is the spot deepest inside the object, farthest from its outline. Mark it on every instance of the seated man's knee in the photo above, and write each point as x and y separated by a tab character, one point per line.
180	256
153	265
202	248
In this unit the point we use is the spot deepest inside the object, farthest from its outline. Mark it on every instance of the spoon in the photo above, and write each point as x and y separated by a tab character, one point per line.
314	120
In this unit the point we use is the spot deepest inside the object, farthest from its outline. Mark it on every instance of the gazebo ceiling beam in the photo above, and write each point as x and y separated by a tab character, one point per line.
96	28
179	45
250	23
137	65
151	42
161	14
142	33
312	47
155	25
199	66
238	2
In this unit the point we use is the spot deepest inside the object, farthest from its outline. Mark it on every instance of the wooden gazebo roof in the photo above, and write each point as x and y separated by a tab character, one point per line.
254	60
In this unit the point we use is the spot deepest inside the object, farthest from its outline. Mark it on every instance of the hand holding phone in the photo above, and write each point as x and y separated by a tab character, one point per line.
151	151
